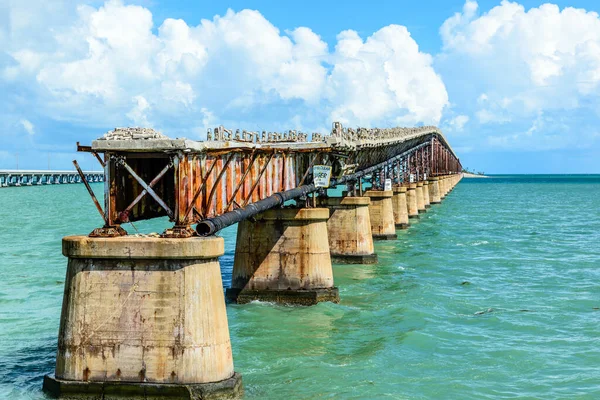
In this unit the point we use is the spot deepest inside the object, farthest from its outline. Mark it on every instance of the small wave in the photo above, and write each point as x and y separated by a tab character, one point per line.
262	302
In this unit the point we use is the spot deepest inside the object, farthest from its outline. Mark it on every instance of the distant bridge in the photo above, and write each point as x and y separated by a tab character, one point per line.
34	177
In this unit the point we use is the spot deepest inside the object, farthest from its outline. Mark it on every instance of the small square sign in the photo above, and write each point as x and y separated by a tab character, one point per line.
321	175
388	185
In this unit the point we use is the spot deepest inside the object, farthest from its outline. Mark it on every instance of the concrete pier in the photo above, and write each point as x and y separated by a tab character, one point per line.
400	207
447	185
420	199
426	194
443	185
349	230
411	201
143	318
283	256
434	190
381	212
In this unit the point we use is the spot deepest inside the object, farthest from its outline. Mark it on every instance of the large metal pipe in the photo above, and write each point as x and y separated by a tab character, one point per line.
210	226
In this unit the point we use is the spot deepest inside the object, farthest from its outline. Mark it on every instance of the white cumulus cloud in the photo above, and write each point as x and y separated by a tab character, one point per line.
27	126
115	64
522	66
458	123
528	60
384	79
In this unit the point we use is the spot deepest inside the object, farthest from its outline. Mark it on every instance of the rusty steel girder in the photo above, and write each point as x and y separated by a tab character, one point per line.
149	175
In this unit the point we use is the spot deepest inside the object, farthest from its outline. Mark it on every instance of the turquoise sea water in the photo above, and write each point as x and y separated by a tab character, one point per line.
495	293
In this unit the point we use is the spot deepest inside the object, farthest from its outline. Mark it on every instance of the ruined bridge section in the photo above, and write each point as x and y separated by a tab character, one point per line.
145	317
148	175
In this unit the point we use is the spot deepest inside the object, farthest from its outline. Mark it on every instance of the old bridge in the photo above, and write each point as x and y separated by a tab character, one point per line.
147	315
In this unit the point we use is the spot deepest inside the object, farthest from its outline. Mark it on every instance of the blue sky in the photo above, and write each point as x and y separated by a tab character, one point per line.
513	85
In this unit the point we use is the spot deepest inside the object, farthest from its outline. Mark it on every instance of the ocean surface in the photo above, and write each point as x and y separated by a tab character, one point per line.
495	293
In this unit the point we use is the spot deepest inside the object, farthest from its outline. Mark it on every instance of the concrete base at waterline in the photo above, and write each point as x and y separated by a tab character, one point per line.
400	207
349	230
308	297
143	316
411	201
420	197
223	390
434	190
391	236
381	213
354	258
283	256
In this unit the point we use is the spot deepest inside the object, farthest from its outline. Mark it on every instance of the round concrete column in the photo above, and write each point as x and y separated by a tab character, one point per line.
411	201
426	200
434	190
420	200
349	230
283	256
443	190
143	316
381	212
400	207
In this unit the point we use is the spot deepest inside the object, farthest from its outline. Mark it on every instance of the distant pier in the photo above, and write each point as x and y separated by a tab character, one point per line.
33	177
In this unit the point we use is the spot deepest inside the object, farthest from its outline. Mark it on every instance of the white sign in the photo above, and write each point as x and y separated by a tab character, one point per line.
412	178
388	185
424	177
321	175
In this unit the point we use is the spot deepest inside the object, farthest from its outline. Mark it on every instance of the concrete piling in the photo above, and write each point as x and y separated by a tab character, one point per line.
400	207
420	199
143	317
443	185
349	230
426	200
381	212
434	190
283	256
411	200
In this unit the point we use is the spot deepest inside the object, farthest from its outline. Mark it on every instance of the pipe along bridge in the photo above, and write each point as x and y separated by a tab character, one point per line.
147	314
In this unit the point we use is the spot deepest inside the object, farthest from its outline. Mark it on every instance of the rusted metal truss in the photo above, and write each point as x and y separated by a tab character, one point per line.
190	181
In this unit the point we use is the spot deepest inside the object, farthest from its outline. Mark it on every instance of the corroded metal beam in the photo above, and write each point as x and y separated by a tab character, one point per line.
243	168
